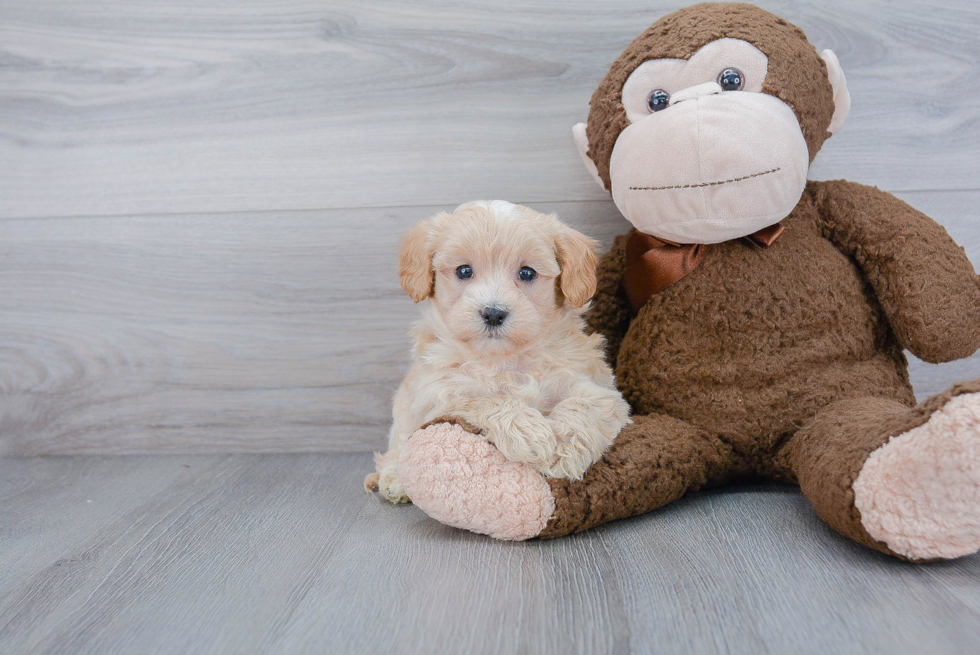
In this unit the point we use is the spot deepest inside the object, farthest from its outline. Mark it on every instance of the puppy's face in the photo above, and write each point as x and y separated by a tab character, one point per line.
495	279
499	274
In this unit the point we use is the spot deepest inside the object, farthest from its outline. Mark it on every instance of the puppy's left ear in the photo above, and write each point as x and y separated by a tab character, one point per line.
577	259
415	261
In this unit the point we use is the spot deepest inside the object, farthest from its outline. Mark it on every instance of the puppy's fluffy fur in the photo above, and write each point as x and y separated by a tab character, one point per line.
536	385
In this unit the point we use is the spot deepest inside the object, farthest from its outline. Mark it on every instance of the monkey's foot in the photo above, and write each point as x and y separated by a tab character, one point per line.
920	492
461	480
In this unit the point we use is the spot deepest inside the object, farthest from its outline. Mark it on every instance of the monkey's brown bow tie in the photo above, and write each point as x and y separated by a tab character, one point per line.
654	264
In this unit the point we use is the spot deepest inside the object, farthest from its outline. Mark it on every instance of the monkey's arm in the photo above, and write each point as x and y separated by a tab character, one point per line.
926	285
610	314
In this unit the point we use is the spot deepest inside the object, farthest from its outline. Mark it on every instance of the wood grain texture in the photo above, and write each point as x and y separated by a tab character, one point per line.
200	205
276	553
240	333
121	108
210	333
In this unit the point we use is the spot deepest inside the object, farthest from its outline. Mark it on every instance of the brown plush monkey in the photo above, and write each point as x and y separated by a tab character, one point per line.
756	320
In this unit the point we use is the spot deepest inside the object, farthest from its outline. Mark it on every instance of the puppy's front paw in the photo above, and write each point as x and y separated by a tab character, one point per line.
574	453
572	459
521	433
585	428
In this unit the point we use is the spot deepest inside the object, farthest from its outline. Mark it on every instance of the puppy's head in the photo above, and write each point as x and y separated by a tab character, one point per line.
499	274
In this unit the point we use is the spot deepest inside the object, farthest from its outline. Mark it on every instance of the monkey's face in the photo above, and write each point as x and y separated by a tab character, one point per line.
707	157
705	148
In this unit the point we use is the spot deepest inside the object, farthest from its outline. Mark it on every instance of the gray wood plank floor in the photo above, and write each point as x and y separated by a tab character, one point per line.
285	553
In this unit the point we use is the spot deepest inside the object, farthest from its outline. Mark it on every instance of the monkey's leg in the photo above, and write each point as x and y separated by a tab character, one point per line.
461	480
902	480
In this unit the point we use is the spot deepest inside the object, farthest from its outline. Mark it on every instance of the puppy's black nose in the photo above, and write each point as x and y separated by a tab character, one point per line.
493	316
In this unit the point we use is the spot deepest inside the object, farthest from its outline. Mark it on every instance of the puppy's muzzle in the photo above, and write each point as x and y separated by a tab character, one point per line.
493	316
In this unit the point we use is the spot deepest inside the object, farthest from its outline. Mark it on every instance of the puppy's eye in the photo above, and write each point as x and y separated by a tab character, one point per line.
464	272
527	274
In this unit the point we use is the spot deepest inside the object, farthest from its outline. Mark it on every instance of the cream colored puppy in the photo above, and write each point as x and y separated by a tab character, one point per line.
501	343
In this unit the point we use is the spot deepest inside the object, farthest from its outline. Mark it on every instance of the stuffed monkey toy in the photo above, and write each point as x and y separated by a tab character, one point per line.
756	320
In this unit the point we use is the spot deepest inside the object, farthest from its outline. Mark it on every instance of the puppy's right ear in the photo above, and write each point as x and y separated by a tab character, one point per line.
415	261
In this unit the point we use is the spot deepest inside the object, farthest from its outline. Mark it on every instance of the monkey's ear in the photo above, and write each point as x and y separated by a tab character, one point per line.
578	261
842	99
415	261
582	141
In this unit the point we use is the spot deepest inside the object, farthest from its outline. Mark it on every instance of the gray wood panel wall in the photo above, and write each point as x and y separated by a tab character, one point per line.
200	202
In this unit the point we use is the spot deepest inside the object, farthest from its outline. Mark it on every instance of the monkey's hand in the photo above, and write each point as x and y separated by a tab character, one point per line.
924	281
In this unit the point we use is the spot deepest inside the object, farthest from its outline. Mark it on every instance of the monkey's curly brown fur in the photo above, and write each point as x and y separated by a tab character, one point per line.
786	361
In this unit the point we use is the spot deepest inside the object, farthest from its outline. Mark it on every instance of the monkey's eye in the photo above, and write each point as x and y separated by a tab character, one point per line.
731	79
464	272
527	274
658	100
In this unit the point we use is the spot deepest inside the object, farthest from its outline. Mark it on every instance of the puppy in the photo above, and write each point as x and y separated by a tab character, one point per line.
502	345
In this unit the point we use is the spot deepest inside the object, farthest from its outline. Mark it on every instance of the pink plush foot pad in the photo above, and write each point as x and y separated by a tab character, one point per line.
920	492
461	480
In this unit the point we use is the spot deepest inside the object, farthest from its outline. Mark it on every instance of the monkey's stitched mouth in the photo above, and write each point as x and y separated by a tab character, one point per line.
703	184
